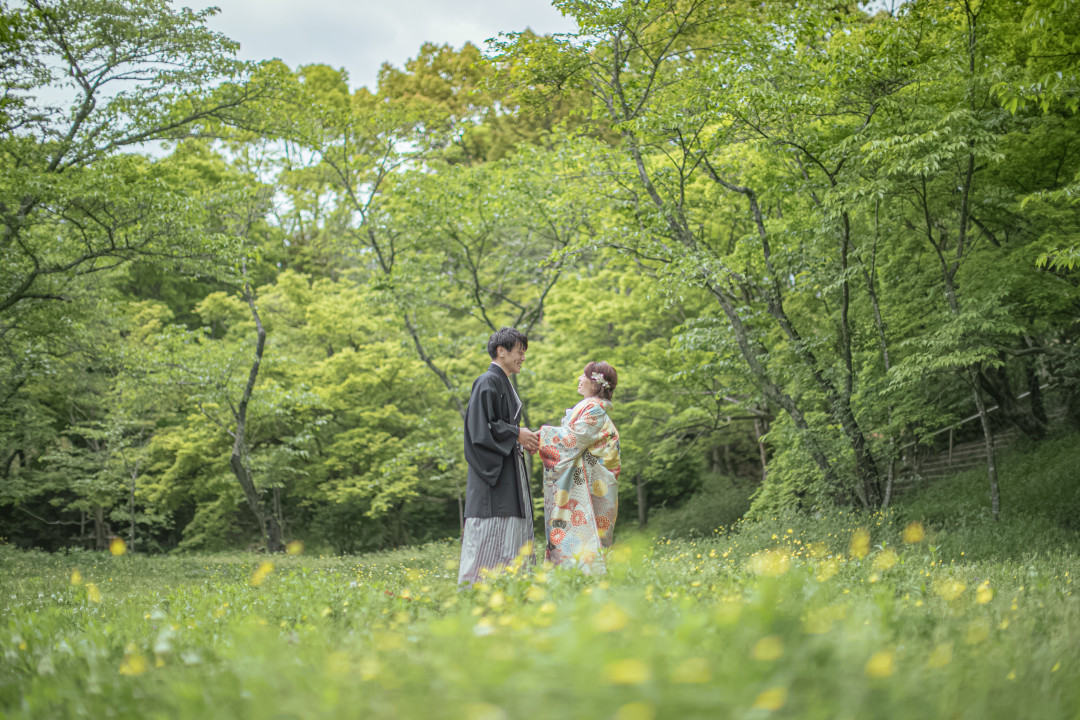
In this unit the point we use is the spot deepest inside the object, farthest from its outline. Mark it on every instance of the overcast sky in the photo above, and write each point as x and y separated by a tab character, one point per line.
360	35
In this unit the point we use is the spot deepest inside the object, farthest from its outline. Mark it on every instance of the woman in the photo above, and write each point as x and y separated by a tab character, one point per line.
581	473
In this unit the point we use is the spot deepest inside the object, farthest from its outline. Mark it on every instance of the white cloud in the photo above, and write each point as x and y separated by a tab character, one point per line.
360	35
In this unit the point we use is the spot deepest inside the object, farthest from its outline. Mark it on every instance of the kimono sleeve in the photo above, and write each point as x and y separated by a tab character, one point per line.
486	430
562	445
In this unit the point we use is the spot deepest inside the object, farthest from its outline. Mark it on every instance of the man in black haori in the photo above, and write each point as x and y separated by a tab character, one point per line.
498	505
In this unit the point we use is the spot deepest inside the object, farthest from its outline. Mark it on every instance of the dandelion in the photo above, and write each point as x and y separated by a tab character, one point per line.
885	559
261	573
296	547
772	699
610	618
860	543
881	664
827	569
768	648
769	563
484	711
692	672
133	663
913	533
117	546
948	589
636	711
630	671
984	594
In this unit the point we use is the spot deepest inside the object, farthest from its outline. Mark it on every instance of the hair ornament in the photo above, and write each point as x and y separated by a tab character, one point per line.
600	380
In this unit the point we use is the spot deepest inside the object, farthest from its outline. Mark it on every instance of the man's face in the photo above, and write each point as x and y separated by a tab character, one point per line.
513	359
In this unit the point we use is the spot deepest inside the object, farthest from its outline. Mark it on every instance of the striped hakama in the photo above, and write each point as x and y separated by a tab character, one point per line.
493	543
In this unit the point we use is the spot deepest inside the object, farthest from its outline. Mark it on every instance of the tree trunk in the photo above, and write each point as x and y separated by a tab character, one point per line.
865	466
995	381
771	390
268	522
758	433
131	531
988	435
890	477
1038	408
101	542
642	506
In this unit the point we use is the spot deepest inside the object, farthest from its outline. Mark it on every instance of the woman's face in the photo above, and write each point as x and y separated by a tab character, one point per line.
586	387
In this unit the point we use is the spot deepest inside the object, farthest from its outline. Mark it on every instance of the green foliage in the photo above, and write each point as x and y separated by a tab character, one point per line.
778	617
719	502
805	237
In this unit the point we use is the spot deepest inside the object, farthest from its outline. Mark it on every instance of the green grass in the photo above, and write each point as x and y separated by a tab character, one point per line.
783	618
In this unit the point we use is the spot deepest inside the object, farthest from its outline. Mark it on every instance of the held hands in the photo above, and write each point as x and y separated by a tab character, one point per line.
529	440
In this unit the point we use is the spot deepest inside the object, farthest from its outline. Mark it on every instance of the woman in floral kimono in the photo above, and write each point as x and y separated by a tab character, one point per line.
581	473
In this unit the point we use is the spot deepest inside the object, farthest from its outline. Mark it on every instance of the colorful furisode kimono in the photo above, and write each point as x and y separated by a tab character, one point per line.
581	490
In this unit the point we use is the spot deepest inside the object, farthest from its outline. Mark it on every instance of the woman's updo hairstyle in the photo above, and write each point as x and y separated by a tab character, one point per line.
608	373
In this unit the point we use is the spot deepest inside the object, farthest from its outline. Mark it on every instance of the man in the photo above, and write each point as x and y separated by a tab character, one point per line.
498	505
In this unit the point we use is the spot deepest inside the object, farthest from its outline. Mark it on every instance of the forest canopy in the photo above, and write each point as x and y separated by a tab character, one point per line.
242	303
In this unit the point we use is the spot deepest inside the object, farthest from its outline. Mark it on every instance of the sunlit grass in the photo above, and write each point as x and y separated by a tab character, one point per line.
852	616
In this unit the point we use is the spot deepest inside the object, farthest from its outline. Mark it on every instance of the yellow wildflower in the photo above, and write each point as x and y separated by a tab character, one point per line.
827	569
692	671
913	533
768	648
76	577
949	589
610	618
630	671
93	593
881	664
484	711
296	547
117	546
133	663
261	573
769	563
636	711
885	559
860	543
771	699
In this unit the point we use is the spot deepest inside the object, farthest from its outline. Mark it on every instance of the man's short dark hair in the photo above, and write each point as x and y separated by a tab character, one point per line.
506	337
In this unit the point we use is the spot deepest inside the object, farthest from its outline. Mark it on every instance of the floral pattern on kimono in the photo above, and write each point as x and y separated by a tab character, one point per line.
581	488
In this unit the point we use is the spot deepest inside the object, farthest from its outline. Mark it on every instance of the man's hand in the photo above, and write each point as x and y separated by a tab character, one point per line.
529	440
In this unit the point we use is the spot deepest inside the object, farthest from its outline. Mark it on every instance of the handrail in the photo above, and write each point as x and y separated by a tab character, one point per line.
1021	396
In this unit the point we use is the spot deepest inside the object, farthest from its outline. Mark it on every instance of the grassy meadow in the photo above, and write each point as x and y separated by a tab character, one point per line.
844	615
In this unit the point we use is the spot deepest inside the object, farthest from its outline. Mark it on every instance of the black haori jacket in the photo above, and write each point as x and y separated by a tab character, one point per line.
491	433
